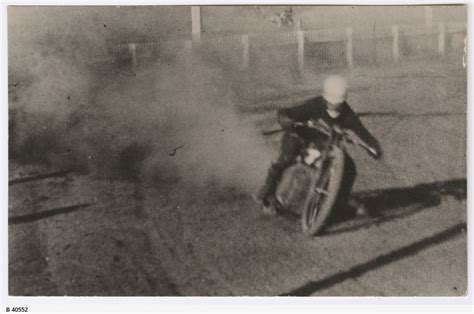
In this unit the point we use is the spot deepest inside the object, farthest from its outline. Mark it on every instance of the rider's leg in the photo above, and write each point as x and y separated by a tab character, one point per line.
291	146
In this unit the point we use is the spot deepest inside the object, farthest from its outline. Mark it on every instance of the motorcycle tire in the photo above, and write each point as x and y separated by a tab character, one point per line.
292	188
313	222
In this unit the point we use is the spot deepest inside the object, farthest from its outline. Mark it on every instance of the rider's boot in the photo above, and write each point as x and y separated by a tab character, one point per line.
266	193
269	208
268	189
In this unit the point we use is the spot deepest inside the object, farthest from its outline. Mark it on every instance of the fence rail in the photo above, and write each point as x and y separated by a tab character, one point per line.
325	35
341	44
274	39
419	30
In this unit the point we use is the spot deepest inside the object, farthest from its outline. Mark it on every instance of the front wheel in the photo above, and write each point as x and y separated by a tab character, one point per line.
323	193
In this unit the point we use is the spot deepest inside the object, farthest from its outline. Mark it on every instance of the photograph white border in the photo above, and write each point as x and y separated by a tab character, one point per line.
225	304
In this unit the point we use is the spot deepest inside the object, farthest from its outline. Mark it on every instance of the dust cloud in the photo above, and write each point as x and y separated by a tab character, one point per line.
176	120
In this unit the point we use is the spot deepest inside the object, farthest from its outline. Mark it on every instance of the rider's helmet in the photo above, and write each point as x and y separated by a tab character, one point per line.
335	91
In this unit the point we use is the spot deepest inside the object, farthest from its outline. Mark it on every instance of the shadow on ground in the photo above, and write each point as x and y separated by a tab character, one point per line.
382	260
387	204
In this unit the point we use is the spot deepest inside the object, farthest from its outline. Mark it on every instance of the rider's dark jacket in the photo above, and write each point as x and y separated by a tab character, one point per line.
314	109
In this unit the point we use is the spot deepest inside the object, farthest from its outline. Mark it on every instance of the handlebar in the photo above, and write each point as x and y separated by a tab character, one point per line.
324	128
320	126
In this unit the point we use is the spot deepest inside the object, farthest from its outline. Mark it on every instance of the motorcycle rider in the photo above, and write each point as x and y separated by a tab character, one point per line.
331	108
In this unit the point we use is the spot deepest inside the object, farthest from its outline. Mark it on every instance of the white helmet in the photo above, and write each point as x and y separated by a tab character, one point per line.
335	89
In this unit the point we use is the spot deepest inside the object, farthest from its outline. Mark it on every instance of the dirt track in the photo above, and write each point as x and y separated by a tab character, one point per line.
128	238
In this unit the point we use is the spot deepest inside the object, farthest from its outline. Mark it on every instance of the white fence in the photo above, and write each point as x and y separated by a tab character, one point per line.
346	46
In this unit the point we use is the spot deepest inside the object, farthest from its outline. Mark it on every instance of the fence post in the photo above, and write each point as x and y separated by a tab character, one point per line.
396	43
299	25
349	47
132	48
442	39
300	39
428	17
196	23
245	51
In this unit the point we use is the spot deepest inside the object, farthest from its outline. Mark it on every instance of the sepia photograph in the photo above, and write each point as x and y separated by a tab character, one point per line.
237	150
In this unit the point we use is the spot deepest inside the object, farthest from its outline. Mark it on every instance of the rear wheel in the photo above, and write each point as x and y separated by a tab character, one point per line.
323	195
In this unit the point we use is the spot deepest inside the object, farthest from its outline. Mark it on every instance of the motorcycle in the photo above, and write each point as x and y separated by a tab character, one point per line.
312	184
